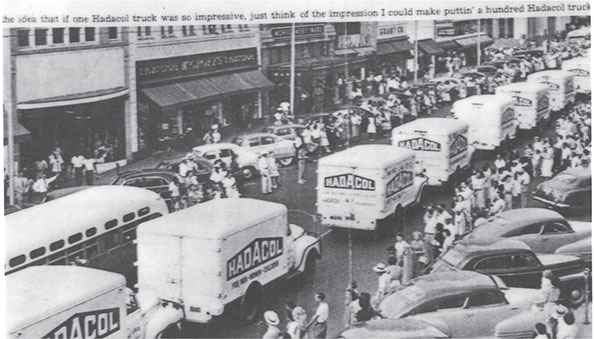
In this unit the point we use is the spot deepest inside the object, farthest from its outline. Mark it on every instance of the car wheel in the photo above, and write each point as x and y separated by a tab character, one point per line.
248	172
286	161
576	294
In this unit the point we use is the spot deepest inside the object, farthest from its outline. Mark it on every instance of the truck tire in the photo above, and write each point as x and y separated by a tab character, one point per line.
309	271
576	294
251	304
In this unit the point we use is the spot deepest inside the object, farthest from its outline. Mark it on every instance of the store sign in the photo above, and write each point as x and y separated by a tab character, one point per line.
391	31
420	144
258	252
349	181
281	33
94	324
353	41
196	64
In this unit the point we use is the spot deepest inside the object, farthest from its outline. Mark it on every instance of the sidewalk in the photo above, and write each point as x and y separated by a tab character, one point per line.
585	330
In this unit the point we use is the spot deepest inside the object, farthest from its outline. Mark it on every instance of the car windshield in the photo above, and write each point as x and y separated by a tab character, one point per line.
401	301
237	141
566	178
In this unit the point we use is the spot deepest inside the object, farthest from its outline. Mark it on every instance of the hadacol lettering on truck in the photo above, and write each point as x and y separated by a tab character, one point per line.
258	252
552	86
522	102
349	181
508	116
399	182
459	144
542	104
420	144
94	324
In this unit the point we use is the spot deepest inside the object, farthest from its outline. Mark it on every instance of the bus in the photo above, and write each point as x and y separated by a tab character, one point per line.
95	227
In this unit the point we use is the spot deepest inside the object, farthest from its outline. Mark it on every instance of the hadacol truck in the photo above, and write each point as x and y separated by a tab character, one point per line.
367	185
491	119
531	102
207	256
440	145
580	67
80	302
561	87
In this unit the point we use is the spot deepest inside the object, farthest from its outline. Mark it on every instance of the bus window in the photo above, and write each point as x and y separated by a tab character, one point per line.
58	258
129	232
91	249
56	245
144	211
110	240
16	261
91	232
37	253
111	224
75	252
128	217
75	238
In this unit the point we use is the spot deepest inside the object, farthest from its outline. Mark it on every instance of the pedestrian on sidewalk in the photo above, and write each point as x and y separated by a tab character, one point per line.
265	173
22	186
77	163
301	161
56	162
273	169
319	324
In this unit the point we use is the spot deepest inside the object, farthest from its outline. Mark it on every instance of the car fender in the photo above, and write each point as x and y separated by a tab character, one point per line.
520	326
441	325
305	243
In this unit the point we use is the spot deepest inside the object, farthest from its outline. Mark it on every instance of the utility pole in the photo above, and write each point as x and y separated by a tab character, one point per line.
478	43
10	111
416	65
292	75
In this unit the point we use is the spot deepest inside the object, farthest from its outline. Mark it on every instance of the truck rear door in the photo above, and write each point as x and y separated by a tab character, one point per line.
160	265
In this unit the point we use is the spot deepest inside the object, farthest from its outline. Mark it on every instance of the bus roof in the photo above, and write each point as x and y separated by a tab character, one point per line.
556	74
214	219
432	126
367	156
521	87
40	225
38	292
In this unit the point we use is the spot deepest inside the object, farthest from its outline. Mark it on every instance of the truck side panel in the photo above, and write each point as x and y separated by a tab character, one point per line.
160	265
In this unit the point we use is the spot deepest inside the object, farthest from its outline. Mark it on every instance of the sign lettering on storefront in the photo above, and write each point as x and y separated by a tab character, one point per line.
279	33
196	64
392	31
353	41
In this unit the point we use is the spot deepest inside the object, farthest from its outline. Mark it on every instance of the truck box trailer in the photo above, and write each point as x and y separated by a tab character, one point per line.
561	87
531	102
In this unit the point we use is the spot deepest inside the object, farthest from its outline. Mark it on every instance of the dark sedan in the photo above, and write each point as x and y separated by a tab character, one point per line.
570	189
156	180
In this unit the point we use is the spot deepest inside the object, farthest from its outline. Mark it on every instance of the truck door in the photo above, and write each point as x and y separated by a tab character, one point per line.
166	277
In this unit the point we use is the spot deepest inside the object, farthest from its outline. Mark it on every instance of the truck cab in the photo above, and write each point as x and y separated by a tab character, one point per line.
209	256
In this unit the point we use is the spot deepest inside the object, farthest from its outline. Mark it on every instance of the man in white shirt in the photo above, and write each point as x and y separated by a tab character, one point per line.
90	165
499	162
56	162
265	173
319	322
78	167
41	187
524	180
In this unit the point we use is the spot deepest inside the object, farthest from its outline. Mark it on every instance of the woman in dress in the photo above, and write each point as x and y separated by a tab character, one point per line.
546	167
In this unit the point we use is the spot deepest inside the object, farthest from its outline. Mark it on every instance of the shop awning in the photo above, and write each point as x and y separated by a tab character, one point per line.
75	99
430	47
472	41
318	63
448	44
21	134
186	92
394	46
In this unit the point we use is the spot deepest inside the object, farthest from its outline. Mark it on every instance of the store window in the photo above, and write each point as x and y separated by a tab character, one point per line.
58	35
74	34
144	32
501	24
23	37
40	37
226	29
243	28
209	29
89	34
112	33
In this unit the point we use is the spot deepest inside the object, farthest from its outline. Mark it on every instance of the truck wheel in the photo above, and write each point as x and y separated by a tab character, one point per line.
251	304
248	172
286	161
576	294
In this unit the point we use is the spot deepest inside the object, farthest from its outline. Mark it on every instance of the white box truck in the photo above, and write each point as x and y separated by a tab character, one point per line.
532	102
580	67
368	184
80	302
561	87
491	119
207	256
440	145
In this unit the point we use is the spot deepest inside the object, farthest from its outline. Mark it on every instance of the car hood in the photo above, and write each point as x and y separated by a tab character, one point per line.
522	297
554	260
581	227
579	247
555	187
392	328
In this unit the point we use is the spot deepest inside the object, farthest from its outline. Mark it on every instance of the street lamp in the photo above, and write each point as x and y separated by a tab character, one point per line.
586	276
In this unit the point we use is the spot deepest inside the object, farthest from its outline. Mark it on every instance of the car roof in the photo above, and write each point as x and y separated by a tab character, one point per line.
485	247
285	126
214	219
438	284
528	215
510	220
550	73
580	172
217	146
408	328
256	135
146	172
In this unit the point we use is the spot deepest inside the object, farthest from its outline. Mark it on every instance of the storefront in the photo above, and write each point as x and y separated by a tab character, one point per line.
393	47
461	36
179	98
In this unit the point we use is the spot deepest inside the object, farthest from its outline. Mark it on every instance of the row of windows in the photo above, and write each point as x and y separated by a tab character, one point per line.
280	55
61	36
176	31
77	237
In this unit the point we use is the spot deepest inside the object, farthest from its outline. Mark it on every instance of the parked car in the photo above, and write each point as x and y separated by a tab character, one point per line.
156	180
449	82
203	172
247	161
537	53
448	300
568	190
581	248
487	69
544	231
284	150
517	265
287	131
392	328
472	74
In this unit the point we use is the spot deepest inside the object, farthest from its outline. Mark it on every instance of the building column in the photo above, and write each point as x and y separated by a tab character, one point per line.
130	105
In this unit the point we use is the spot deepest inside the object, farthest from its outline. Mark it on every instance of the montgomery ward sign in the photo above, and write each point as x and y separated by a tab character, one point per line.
160	69
349	181
420	144
258	252
279	33
94	324
399	182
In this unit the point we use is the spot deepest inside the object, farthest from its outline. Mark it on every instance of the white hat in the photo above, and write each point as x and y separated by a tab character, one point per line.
380	268
215	126
559	312
271	318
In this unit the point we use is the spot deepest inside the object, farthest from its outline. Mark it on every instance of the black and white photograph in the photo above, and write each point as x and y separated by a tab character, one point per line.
297	170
